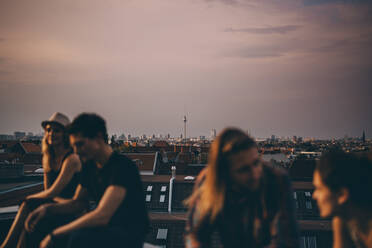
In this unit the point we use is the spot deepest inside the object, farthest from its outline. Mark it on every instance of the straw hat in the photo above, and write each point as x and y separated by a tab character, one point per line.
57	118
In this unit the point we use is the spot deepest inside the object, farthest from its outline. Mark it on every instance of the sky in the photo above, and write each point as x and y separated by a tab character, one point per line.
288	67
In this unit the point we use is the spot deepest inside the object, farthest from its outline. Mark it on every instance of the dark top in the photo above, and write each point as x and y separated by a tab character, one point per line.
69	190
265	218
119	170
353	235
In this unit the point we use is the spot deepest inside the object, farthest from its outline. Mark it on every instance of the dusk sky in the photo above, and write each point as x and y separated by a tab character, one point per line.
285	67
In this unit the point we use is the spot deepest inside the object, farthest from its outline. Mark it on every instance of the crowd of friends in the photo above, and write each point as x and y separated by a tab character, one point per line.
93	195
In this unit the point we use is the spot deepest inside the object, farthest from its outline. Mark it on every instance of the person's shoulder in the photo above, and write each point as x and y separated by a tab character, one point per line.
121	157
122	161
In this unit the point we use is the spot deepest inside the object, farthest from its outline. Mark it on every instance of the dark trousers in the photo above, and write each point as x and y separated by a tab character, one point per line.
104	237
27	207
43	228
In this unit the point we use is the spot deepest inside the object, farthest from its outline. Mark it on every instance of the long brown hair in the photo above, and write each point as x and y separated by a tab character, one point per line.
209	196
49	156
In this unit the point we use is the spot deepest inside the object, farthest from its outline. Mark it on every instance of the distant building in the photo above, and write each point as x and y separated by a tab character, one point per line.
19	135
6	137
213	133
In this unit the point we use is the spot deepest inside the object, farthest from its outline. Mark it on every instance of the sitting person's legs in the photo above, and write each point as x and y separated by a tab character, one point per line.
103	237
43	228
25	209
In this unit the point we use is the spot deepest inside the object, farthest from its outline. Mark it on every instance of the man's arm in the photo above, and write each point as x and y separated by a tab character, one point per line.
109	203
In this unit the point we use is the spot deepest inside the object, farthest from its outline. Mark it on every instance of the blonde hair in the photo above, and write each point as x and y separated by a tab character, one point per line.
49	156
209	196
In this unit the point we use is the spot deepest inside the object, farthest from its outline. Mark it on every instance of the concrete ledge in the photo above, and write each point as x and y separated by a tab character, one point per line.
147	245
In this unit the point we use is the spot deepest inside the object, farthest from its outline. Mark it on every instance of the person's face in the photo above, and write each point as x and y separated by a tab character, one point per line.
325	198
245	169
85	147
54	134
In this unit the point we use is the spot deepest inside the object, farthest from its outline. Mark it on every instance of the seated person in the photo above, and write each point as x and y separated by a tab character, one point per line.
343	191
248	203
61	174
112	180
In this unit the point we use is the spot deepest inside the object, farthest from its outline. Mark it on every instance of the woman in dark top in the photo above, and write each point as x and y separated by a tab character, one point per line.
246	201
61	172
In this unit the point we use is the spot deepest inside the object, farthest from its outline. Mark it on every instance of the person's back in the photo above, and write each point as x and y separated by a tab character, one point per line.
131	214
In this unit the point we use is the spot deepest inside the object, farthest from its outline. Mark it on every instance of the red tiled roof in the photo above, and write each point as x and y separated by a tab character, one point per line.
144	161
8	156
160	143
31	147
6	144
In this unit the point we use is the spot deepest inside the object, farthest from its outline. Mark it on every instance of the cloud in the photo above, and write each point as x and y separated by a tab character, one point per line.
3	59
267	30
2	72
254	52
358	44
335	45
316	2
227	2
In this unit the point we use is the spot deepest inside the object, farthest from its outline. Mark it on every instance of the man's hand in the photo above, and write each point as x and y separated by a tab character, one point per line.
46	242
34	217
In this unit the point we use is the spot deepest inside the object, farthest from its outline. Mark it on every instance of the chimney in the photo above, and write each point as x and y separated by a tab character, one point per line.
171	181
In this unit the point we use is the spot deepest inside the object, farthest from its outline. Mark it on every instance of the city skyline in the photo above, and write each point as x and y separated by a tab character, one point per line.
285	68
206	135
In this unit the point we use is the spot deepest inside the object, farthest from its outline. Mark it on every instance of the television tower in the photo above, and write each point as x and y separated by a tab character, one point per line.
184	128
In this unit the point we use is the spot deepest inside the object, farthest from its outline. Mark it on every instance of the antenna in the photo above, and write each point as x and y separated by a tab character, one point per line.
184	122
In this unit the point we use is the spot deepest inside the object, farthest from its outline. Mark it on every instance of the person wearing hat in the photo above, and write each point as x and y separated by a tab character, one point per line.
109	179
61	175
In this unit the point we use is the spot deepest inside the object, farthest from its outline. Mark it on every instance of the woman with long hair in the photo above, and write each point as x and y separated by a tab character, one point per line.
61	171
247	202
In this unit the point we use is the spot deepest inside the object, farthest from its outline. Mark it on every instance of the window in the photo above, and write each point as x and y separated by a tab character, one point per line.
295	198
149	188
308	242
148	198
162	198
307	194
163	188
162	233
309	205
